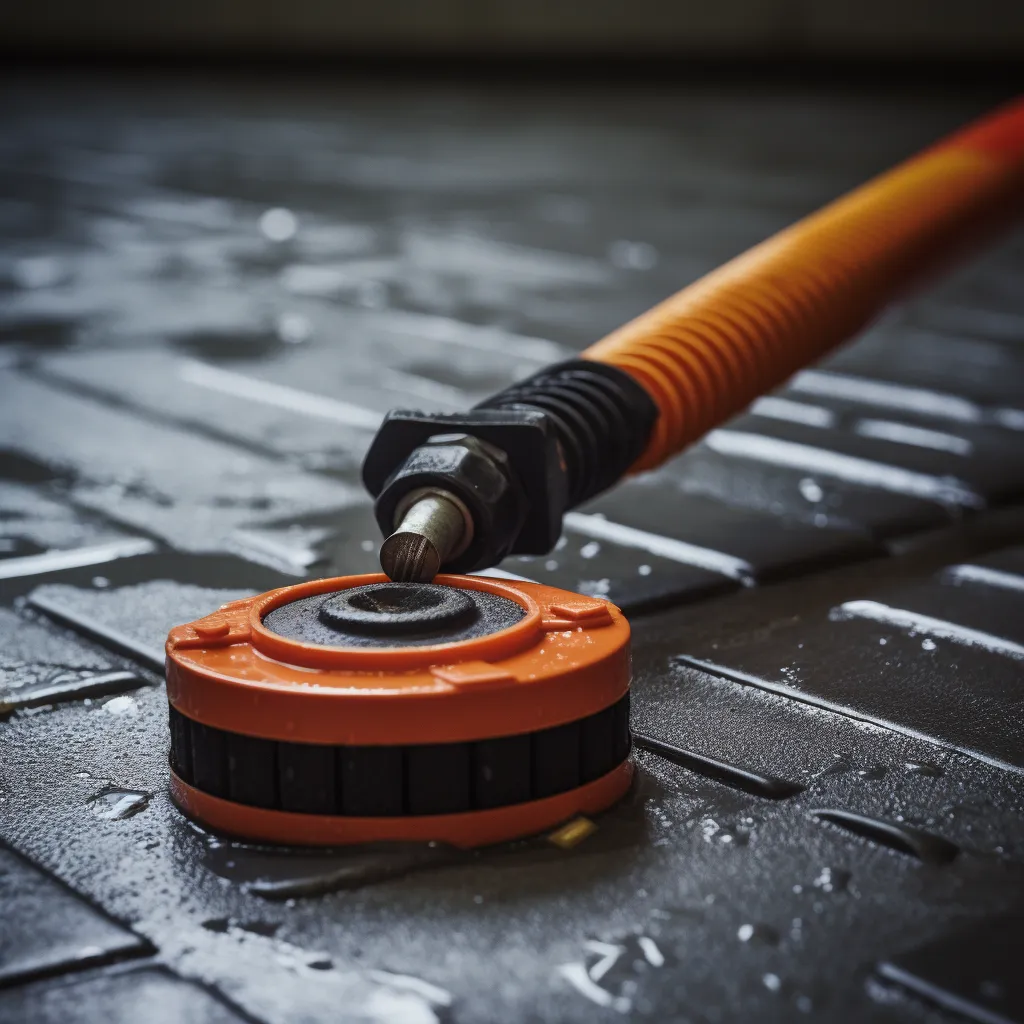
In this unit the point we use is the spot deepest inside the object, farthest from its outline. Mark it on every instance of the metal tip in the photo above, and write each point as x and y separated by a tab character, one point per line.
434	527
409	558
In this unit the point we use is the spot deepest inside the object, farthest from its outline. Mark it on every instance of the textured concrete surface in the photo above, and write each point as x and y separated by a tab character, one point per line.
211	292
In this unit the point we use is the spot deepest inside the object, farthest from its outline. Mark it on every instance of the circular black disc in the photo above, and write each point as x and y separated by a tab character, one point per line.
393	615
397	609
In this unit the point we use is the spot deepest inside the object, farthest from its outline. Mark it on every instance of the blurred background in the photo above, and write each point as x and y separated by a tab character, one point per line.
819	29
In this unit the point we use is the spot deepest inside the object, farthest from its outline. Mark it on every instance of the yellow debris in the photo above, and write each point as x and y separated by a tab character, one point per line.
572	833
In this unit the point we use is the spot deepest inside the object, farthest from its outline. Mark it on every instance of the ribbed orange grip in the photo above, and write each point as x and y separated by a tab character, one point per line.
711	349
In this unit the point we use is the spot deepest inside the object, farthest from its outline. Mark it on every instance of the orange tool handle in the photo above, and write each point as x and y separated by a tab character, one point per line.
709	350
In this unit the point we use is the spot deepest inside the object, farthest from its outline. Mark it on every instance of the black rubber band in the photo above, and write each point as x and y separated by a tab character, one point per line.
602	415
395	781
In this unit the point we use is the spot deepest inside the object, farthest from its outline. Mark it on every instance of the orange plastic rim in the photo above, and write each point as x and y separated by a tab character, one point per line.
567	658
465	830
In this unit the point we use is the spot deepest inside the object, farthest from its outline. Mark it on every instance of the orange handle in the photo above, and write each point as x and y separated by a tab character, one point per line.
708	351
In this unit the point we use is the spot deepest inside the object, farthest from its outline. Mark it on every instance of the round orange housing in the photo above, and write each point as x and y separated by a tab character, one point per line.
504	714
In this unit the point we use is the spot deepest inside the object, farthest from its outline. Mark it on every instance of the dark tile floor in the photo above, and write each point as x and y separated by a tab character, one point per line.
210	291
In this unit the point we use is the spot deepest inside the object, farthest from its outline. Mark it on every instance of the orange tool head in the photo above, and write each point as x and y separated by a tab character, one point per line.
469	711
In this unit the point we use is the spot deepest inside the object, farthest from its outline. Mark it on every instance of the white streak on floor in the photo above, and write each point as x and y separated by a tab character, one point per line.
424	388
282	396
271	550
406	983
791	692
919	437
51	561
482	339
980	574
918	623
320	281
1012	419
883	393
850	468
609	955
650	950
576	975
655	544
775	408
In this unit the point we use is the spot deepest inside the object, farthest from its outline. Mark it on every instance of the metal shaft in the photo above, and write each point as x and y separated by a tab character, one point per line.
433	527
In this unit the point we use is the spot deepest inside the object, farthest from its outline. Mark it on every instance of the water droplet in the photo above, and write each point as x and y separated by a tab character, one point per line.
772	982
925	768
294	328
804	1004
927	644
100	582
757	933
278	224
590	549
713	832
628	255
811	490
644	570
832	880
117	804
992	990
123	706
551	564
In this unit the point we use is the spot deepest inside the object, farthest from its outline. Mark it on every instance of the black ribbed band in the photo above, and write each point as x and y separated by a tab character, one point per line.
601	415
395	781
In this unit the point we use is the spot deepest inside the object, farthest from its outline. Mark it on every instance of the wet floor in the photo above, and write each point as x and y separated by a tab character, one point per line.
211	291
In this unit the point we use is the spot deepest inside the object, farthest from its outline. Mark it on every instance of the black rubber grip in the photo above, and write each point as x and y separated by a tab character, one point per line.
602	417
393	781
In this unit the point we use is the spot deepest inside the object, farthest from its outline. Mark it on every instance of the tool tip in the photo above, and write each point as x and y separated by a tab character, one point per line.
408	557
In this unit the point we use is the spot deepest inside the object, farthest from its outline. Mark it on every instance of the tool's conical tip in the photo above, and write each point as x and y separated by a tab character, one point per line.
408	557
433	526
